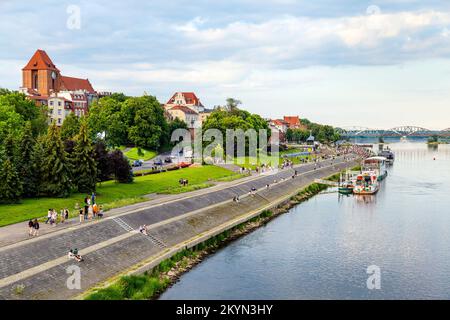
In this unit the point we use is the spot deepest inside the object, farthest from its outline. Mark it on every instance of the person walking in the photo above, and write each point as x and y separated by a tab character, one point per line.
54	219
81	215
49	216
63	215
36	227
30	227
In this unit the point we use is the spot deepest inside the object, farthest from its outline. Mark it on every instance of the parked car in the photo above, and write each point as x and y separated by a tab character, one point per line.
168	160
137	163
158	162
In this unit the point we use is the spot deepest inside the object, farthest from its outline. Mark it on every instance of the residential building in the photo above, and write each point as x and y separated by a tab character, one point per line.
187	106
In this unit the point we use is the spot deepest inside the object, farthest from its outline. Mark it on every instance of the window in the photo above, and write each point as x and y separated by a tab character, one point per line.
59	112
51	103
59	103
59	120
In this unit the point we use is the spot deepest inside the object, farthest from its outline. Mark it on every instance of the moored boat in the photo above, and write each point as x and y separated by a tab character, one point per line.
375	165
366	184
388	154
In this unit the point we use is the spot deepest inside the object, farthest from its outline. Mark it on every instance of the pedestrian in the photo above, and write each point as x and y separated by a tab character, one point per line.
36	228
95	210
66	214
86	204
90	212
49	216
86	213
30	227
63	216
81	215
93	198
54	218
100	212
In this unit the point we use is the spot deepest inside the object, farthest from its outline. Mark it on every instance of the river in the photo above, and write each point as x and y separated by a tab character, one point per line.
322	248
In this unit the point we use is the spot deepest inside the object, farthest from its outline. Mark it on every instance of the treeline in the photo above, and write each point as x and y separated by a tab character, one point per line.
321	133
37	159
137	121
231	117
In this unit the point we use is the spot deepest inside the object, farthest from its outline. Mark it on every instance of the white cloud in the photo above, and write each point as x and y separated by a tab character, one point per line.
292	37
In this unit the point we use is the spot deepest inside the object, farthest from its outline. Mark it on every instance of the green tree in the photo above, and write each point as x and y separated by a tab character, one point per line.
56	174
122	170
85	168
10	186
25	165
37	159
27	109
232	105
147	126
104	167
70	127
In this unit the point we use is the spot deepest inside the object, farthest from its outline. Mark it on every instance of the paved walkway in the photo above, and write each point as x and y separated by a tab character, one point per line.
112	244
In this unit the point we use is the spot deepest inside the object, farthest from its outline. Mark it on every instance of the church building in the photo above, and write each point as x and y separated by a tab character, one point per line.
43	82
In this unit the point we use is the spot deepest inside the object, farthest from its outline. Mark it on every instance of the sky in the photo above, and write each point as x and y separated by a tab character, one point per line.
376	64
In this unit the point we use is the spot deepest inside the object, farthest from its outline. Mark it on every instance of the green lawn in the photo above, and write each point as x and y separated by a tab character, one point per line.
133	154
111	194
252	162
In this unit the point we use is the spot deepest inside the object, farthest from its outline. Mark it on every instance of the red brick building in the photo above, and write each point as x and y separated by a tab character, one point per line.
43	83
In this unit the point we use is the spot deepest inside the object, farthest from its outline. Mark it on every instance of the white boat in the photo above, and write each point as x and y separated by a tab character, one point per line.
366	184
375	166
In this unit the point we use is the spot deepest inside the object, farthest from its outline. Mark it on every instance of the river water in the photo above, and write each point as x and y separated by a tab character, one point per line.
322	248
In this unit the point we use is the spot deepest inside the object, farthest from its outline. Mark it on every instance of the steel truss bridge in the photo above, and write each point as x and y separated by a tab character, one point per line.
405	131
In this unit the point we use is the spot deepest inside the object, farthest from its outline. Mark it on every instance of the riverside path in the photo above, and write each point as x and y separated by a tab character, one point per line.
39	268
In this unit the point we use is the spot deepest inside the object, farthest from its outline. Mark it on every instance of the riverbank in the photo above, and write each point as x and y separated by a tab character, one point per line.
153	283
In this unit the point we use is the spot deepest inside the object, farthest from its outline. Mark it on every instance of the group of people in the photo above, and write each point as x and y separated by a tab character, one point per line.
33	226
91	209
52	216
183	182
73	254
287	164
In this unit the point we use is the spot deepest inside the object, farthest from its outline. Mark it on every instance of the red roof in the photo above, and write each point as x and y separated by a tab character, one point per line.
40	60
74	84
279	122
184	109
292	121
190	98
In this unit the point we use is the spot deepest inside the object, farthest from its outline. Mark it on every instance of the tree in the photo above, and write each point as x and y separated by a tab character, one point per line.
27	109
122	170
25	165
104	166
85	167
147	126
37	159
10	186
56	174
70	127
232	105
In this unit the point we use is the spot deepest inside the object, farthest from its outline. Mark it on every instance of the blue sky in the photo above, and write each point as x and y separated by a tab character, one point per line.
348	62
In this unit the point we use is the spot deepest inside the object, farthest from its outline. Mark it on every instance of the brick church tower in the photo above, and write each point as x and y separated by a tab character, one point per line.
41	75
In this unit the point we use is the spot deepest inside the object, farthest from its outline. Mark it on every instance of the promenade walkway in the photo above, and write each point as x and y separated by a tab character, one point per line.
37	268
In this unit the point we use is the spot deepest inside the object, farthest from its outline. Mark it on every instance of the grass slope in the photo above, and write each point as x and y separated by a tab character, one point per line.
112	195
